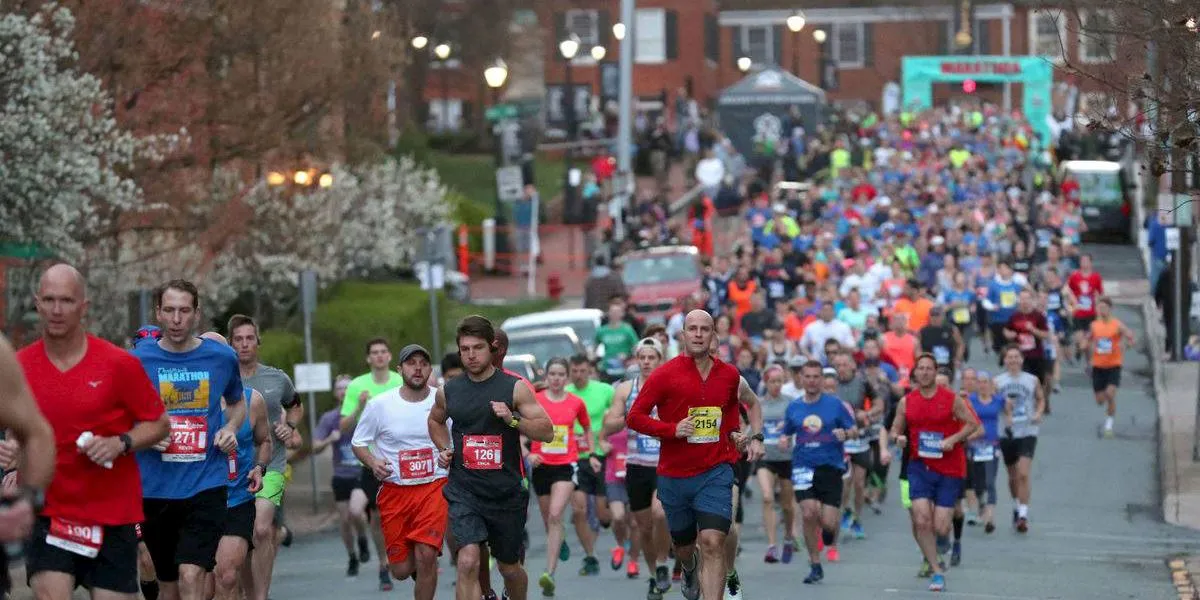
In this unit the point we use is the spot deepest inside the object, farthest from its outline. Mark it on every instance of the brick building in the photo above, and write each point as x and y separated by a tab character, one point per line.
695	44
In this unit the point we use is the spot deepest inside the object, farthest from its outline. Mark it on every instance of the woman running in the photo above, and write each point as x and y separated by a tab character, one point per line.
981	472
776	469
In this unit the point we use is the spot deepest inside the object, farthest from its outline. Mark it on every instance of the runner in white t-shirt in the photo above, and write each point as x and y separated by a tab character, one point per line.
392	439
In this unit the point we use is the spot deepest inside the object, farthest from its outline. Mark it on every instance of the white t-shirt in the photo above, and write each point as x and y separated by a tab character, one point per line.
397	431
818	332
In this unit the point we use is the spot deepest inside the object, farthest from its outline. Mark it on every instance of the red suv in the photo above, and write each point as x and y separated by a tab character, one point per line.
657	278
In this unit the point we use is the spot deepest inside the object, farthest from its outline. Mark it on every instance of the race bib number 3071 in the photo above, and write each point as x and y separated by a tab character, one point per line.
707	421
189	439
482	452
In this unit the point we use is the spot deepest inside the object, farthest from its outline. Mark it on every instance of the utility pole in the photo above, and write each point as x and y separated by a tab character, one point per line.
621	195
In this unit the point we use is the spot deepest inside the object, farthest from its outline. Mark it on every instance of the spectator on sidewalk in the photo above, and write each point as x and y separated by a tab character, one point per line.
523	237
602	285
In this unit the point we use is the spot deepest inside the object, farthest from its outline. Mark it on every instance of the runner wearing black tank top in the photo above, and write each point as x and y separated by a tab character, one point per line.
486	489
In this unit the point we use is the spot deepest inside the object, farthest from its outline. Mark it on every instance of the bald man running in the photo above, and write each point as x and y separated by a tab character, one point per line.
697	397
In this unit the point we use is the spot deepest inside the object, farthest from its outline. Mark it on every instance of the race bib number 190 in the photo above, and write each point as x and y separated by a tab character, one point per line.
707	420
189	439
84	540
482	452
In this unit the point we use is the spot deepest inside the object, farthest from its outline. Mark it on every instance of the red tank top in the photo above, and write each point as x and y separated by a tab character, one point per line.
931	420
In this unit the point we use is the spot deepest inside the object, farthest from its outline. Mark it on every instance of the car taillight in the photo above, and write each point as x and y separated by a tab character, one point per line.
1126	209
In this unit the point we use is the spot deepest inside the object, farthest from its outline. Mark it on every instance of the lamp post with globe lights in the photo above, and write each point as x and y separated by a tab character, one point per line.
495	76
442	51
569	49
825	65
744	63
795	23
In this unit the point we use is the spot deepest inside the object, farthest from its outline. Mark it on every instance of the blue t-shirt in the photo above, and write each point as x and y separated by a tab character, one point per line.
239	493
813	426
1004	298
989	416
191	385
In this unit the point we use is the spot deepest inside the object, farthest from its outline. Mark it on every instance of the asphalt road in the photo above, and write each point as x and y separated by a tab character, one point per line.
1095	528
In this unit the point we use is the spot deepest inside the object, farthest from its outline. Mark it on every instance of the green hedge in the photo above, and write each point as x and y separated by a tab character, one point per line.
355	311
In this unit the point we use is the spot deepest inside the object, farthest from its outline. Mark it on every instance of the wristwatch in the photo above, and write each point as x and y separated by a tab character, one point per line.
758	437
515	421
262	468
127	442
291	424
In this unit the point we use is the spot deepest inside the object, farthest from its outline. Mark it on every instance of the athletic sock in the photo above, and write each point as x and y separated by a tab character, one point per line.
150	590
1023	511
958	527
1108	423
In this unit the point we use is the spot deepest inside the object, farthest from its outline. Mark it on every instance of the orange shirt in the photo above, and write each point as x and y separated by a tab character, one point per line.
902	350
1106	343
793	327
917	311
740	297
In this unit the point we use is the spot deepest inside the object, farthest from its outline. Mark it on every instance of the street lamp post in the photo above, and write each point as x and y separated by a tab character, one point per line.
569	48
827	77
495	76
598	54
744	63
442	52
794	24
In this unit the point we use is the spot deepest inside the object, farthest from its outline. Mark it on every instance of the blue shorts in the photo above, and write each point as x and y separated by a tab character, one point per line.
703	501
924	483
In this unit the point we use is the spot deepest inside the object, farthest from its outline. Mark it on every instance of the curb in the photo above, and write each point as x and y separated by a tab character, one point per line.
1168	471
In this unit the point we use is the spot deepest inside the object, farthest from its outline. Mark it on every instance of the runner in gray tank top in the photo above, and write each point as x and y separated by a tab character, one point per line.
486	488
775	469
641	471
1023	409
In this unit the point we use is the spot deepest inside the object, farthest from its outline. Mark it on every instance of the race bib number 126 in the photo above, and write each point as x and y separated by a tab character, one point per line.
482	452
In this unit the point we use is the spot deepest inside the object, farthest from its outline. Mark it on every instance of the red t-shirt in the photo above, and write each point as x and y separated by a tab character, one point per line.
678	392
564	449
1086	289
106	394
1030	345
932	420
528	384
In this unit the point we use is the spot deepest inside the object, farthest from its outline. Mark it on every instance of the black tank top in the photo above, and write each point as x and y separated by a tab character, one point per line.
938	341
487	452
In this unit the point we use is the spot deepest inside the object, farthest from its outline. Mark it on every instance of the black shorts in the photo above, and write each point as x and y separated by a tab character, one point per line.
826	487
1082	323
1104	377
741	474
1036	366
184	532
370	486
500	524
640	483
861	460
239	522
782	469
543	477
344	486
113	569
587	480
1014	449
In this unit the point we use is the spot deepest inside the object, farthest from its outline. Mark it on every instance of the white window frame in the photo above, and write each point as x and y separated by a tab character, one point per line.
835	45
768	45
1085	36
643	37
1060	24
587	39
438	118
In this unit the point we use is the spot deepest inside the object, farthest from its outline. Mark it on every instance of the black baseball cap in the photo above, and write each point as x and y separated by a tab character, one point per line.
408	351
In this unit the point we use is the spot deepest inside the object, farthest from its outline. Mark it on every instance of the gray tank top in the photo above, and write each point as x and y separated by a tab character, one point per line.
773	412
1018	392
643	449
276	389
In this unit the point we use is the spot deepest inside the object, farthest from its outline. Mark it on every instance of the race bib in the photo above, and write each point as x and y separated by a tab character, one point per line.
856	446
1104	346
707	421
961	316
84	540
1085	303
941	354
772	430
775	289
482	452
1026	341
416	464
619	465
189	439
802	478
648	446
983	452
1020	414
1008	299
929	444
558	445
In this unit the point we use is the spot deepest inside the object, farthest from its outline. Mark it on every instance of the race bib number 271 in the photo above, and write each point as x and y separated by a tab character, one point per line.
189	439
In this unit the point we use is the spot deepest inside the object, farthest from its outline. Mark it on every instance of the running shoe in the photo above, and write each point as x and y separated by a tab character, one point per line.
490	595
937	583
631	570
618	558
989	527
352	568
1022	524
546	581
662	578
956	554
832	555
591	566
364	550
1015	517
733	586
690	585
815	574
856	528
1108	433
972	518
286	542
789	548
564	552
654	593
926	569
772	556
847	519
385	581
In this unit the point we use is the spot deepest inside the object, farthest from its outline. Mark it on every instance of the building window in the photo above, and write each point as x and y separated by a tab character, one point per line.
757	43
1097	42
650	29
445	115
712	38
1047	34
586	25
849	46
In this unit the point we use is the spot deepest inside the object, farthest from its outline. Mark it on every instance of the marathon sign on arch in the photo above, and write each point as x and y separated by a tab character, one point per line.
974	67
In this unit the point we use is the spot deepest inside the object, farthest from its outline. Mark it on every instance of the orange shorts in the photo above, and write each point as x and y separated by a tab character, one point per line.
412	514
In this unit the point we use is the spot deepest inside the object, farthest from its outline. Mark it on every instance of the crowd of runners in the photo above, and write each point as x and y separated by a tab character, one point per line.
827	343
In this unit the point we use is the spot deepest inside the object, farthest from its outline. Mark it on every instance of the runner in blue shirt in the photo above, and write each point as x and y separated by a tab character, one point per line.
820	424
184	478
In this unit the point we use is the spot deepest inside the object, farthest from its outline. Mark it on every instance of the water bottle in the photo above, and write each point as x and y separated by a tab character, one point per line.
82	441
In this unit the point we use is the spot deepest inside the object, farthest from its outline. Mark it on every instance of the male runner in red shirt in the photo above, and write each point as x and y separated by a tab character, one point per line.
1087	286
697	398
102	408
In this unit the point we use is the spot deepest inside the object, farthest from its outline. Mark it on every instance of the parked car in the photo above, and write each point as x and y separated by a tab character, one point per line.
525	365
544	344
1104	196
583	321
658	277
